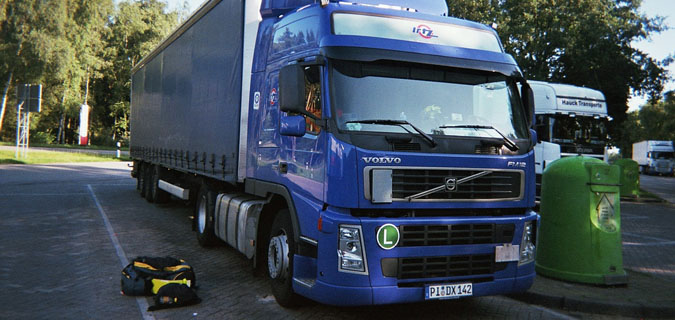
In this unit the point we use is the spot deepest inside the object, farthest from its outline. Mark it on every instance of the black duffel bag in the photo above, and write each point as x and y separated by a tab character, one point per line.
138	276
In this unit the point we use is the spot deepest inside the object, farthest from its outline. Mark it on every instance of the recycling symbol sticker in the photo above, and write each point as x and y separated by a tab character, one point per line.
605	216
388	236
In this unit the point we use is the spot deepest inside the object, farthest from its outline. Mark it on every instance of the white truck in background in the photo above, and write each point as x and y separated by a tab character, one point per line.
570	121
654	156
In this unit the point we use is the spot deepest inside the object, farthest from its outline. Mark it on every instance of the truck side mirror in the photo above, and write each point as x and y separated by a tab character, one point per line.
528	101
292	89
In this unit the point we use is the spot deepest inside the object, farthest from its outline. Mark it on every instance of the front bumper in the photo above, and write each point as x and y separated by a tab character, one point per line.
354	296
330	286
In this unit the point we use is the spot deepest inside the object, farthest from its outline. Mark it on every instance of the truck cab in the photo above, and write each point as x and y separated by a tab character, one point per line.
384	118
654	156
570	121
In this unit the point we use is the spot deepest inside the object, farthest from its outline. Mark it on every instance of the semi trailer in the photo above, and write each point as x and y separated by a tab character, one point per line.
359	153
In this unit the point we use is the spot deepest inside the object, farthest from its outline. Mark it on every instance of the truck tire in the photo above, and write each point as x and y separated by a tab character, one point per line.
144	176
137	167
147	182
155	194
140	179
280	251
204	216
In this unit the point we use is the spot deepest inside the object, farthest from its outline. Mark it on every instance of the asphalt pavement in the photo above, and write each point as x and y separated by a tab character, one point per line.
68	230
663	187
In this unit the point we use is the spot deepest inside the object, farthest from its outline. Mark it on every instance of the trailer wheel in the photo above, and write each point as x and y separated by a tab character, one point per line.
147	181
280	251
155	194
204	216
137	167
143	179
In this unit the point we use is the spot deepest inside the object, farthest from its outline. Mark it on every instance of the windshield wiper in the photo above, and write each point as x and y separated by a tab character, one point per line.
508	142
399	123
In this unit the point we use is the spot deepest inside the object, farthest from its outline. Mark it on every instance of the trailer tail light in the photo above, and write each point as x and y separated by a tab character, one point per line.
351	256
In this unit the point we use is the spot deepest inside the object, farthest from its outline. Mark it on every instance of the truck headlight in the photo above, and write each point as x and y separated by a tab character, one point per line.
527	245
351	256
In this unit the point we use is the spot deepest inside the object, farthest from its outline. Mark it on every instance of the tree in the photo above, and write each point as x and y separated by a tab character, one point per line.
82	52
133	32
23	32
81	59
579	42
654	121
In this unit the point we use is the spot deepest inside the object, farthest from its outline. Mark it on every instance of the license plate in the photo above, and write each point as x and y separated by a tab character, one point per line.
448	291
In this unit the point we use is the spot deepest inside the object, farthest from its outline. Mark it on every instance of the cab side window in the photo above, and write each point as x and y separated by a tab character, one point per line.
313	98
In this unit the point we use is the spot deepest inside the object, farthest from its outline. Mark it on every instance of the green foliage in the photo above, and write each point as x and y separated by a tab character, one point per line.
42	137
132	33
654	121
82	52
580	42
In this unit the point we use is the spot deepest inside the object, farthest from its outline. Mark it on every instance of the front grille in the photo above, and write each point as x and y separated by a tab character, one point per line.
459	234
497	185
663	164
443	267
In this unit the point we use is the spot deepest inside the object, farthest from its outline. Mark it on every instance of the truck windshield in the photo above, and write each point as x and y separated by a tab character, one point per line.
662	155
439	102
580	130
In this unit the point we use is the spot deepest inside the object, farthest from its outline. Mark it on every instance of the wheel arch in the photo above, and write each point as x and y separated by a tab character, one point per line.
279	198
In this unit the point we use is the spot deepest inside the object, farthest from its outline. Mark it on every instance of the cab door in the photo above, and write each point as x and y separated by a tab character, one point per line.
267	157
302	160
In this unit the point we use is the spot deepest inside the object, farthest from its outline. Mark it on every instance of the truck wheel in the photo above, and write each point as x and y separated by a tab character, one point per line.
156	194
280	251
204	216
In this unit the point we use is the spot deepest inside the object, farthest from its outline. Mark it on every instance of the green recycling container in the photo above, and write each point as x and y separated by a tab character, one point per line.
630	177
580	228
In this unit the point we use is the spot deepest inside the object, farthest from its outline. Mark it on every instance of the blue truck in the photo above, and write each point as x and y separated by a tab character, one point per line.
358	153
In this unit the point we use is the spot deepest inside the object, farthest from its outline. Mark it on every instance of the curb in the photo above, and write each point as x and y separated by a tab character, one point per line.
602	307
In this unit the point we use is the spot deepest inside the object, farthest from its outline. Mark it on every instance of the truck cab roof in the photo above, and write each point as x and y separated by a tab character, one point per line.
552	98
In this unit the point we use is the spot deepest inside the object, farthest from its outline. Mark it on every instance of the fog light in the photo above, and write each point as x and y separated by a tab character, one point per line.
527	245
351	256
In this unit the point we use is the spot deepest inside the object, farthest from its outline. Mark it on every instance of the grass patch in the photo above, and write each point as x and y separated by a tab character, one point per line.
65	146
41	157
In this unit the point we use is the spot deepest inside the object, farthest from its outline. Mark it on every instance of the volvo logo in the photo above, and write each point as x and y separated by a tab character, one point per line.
384	160
450	184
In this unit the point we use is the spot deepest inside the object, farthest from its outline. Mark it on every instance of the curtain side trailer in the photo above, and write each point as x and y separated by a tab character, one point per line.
357	153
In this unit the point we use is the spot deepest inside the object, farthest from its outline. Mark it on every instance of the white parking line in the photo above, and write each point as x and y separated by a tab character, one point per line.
141	301
554	313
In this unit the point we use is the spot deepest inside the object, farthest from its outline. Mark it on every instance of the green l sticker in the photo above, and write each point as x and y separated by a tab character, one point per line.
387	236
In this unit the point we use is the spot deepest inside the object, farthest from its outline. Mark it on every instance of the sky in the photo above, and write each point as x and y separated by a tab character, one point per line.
191	4
659	46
